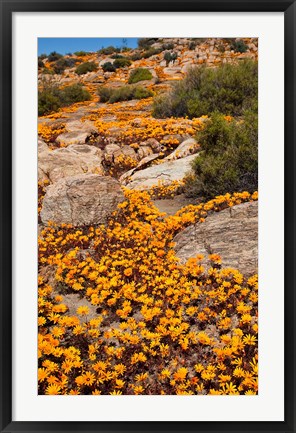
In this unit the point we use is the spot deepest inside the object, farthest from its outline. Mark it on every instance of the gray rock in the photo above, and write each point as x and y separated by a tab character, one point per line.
186	148
42	146
144	151
69	161
83	199
109	151
166	173
124	152
73	137
232	233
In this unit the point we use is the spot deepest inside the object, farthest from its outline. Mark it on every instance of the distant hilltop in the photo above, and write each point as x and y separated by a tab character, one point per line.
167	59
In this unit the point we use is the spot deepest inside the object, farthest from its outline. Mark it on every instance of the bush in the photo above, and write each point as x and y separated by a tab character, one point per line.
168	46
74	93
145	43
42	56
40	63
109	50
229	161
239	46
117	56
47	102
108	67
105	93
122	62
86	67
229	89
136	56
151	52
124	93
47	71
139	74
51	98
169	57
61	64
53	56
81	53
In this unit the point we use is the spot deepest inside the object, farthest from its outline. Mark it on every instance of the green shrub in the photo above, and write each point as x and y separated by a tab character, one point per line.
145	43
51	98
117	56
169	57
105	93
48	102
124	93
229	89
122	62
108	67
136	56
86	67
139	74
81	53
47	71
229	158
53	56
109	50
74	93
40	63
151	52
61	64
168	46
239	46
42	56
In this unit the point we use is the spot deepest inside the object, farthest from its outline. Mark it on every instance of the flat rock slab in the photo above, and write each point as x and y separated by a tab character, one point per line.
232	233
165	173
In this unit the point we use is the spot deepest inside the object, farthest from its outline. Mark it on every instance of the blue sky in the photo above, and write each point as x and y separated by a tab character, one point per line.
69	45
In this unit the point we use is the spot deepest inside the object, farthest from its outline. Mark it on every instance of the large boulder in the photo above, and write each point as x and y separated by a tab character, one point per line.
81	200
73	137
232	233
165	173
69	161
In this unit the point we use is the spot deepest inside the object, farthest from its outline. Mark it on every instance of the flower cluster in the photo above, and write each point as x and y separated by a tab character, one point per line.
148	324
49	133
132	128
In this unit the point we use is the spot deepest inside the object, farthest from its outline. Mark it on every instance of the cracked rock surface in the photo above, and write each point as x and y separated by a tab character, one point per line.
81	200
232	233
166	173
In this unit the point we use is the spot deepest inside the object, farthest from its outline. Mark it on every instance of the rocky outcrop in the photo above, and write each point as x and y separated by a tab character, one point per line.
76	133
165	173
69	161
81	200
42	146
232	233
187	147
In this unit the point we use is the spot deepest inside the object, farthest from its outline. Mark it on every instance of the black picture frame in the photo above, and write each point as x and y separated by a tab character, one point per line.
7	10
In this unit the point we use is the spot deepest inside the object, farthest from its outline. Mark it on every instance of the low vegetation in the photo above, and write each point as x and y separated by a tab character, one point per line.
86	67
124	93
230	89
139	74
51	97
229	158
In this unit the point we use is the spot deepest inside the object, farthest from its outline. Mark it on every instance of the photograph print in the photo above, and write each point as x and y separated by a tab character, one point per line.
147	216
